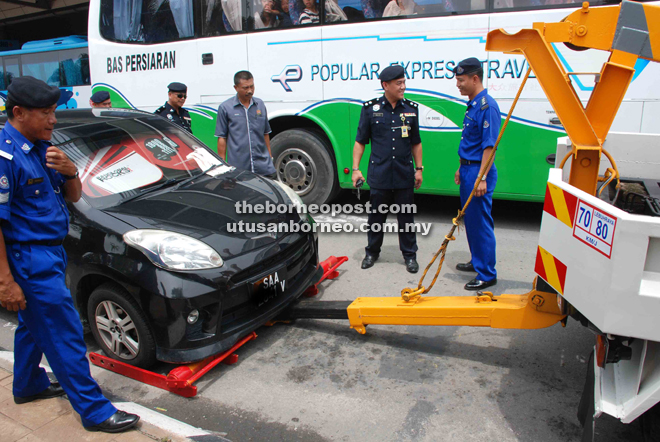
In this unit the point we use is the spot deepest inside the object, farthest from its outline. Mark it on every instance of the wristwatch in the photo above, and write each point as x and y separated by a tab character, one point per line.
419	168
483	178
71	177
355	169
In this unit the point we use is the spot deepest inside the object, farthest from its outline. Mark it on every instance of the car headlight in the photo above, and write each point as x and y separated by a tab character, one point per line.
173	251
295	199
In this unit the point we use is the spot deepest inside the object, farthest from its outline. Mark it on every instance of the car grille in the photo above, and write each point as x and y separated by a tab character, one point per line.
270	262
237	305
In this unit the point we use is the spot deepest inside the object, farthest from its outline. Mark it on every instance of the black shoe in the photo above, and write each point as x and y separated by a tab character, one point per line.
477	284
411	265
465	267
54	390
116	423
369	261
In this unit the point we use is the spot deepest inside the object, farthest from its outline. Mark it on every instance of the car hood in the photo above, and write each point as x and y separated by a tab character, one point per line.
206	209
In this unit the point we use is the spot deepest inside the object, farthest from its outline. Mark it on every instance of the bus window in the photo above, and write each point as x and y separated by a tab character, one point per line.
222	16
45	66
333	13
74	67
352	9
149	21
12	70
266	15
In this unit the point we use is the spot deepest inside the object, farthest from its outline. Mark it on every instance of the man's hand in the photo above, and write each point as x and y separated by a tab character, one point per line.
418	179
356	176
56	159
457	177
11	297
481	189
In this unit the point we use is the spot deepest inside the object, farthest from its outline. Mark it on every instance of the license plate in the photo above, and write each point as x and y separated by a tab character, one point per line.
269	287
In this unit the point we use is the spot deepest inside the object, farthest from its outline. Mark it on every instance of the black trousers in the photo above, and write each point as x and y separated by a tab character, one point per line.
407	235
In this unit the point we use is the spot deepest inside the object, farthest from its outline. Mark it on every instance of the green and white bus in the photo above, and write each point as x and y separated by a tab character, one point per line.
315	77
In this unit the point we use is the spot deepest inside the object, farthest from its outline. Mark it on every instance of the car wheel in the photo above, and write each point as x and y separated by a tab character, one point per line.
303	162
119	326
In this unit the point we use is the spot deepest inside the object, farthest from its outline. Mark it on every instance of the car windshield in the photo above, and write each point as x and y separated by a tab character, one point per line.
125	158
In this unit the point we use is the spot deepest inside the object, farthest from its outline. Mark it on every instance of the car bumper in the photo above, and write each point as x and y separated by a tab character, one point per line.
229	312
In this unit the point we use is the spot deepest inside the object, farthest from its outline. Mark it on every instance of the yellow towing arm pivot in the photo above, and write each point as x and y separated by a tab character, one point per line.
628	32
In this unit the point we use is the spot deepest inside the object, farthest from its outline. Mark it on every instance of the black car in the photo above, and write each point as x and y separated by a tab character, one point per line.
155	264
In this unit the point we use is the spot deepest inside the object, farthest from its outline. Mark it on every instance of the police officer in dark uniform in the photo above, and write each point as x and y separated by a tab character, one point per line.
100	99
173	109
392	124
481	127
36	180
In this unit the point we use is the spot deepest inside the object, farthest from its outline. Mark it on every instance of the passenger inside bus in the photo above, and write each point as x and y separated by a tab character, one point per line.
266	15
310	14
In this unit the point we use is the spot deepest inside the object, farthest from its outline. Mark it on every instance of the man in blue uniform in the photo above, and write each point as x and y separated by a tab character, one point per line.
173	109
36	180
392	124
481	127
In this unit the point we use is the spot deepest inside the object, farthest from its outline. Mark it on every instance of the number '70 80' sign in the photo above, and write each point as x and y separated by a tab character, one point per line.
594	228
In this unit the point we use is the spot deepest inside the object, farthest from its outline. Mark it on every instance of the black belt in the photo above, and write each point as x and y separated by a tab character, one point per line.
468	162
54	242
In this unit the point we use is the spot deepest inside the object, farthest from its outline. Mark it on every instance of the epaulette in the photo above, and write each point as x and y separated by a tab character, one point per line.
412	103
6	149
484	103
371	102
160	109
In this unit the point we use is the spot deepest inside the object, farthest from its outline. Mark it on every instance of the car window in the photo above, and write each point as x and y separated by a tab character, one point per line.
123	158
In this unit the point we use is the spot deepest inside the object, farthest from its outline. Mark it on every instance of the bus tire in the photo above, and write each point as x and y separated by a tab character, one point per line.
304	163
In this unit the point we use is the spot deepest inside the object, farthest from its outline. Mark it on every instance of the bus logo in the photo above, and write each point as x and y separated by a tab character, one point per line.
291	73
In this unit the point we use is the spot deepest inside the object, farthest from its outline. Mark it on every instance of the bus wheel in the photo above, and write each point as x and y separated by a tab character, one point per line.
303	163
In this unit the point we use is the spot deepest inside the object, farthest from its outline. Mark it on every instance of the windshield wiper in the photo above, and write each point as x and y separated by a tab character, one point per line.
187	180
151	190
169	182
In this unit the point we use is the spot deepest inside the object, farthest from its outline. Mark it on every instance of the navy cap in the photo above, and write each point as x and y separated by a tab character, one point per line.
393	72
468	66
100	96
177	87
30	92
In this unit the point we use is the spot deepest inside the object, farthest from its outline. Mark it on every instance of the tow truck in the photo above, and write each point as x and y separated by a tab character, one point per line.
598	257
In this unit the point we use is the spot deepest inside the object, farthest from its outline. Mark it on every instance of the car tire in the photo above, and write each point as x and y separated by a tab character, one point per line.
125	337
303	162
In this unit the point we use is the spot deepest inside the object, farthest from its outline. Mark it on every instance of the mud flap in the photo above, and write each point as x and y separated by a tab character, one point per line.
586	409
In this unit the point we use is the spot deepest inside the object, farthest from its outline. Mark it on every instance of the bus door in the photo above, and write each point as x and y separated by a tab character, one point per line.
224	53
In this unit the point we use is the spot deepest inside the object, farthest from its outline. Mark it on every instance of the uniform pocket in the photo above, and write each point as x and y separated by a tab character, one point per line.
37	199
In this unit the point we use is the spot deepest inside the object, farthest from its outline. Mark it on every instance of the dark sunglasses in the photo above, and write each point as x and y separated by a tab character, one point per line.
182	95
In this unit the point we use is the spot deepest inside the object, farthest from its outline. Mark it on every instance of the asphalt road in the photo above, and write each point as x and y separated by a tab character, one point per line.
317	380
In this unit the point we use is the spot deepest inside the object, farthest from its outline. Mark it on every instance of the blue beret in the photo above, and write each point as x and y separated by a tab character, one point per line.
393	72
100	96
30	92
177	87
468	66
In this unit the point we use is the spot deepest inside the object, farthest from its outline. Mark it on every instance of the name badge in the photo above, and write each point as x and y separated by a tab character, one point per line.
404	131
32	181
378	114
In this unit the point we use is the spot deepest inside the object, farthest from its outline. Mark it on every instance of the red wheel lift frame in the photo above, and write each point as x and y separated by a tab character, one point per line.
330	267
181	379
